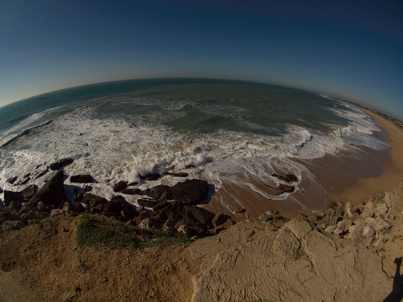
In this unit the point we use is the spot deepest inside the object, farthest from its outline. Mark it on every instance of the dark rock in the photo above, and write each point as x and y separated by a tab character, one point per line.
131	191
220	219
120	186
95	203
29	192
52	192
240	210
12	225
147	202
120	208
10	196
159	192
150	176
14	206
61	163
179	174
40	174
286	188
12	180
82	178
190	166
287	178
87	188
6	215
73	207
191	191
1	190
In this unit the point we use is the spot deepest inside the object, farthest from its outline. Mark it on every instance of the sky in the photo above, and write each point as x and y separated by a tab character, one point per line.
349	49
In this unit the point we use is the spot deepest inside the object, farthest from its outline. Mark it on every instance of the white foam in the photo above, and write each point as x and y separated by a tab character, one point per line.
117	149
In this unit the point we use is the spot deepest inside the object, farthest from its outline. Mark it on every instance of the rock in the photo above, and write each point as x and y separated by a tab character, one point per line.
120	186
380	224
56	212
14	206
380	210
266	217
239	210
119	208
1	190
52	192
42	207
191	191
73	207
160	192
40	174
13	225
287	178
131	191
150	176
82	178
147	223
25	179
61	163
29	192
224	226
219	219
286	188
299	228
95	204
87	188
12	180
10	196
347	210
154	204
180	174
368	212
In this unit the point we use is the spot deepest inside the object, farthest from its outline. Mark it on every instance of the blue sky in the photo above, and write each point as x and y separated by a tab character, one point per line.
352	49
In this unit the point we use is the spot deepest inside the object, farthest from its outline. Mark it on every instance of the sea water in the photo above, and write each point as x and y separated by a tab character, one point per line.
217	130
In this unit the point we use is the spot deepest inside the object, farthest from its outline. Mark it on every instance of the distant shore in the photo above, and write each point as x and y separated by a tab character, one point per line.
392	169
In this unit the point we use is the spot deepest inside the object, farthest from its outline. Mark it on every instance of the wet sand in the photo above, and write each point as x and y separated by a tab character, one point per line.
341	178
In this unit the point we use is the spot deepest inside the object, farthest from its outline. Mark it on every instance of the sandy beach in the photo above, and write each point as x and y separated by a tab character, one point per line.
342	178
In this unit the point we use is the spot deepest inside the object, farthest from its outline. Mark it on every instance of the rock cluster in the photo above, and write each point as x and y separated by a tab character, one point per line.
172	209
366	223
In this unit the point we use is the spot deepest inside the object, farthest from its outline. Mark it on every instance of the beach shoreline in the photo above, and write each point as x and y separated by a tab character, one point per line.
331	179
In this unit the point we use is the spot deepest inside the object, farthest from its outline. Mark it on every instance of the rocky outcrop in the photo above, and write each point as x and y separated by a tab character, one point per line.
82	178
52	192
191	191
253	262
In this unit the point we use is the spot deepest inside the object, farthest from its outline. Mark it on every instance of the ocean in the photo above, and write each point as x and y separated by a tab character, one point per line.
230	133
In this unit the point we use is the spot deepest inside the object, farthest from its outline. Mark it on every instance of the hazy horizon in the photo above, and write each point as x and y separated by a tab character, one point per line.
343	49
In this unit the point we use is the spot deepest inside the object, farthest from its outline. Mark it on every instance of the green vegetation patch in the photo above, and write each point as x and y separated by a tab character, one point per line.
100	231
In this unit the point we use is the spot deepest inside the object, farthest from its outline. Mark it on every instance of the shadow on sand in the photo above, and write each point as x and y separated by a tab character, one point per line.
397	292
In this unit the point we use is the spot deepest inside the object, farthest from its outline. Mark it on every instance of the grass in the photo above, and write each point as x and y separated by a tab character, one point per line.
93	231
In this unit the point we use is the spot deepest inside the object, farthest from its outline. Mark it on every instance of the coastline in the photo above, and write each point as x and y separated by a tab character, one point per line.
392	169
341	178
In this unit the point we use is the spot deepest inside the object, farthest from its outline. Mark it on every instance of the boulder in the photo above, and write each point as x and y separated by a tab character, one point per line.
220	219
29	192
82	178
12	180
61	163
120	186
95	203
160	192
131	191
178	174
191	191
287	178
150	176
12	225
52	192
10	196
